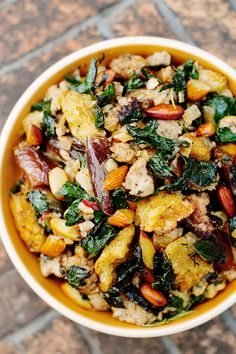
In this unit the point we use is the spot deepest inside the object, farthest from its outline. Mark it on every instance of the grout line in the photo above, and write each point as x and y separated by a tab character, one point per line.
94	347
104	29
232	4
31	328
70	33
169	345
172	20
7	2
229	321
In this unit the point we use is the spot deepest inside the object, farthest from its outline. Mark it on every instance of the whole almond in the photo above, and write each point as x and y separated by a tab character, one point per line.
226	200
165	111
155	297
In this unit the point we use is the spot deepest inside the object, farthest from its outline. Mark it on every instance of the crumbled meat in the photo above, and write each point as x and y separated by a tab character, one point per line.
98	303
111	117
125	65
133	313
199	220
159	58
169	129
228	122
50	266
138	181
148	98
123	152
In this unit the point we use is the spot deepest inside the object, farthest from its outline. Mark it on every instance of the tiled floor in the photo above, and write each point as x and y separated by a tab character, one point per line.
33	35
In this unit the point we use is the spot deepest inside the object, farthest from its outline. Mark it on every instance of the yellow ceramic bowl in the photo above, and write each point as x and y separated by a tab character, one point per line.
25	262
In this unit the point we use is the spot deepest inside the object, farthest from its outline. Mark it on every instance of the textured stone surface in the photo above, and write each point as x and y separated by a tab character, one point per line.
13	84
59	337
110	344
212	337
140	19
27	24
212	25
5	263
7	347
18	303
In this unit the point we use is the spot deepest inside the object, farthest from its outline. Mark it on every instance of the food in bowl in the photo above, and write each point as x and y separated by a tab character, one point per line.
128	186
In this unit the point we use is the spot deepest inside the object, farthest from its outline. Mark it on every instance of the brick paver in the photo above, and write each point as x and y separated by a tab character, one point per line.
35	34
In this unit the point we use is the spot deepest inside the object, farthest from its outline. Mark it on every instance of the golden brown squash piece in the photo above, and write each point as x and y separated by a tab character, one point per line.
188	269
24	215
200	148
114	254
162	212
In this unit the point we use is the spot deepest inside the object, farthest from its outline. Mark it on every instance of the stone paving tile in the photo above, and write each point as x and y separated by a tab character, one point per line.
14	83
233	311
5	263
212	25
18	303
8	348
114	345
211	338
28	24
140	19
61	336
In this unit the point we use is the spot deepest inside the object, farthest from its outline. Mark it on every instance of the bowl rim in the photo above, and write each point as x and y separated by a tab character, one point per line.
19	265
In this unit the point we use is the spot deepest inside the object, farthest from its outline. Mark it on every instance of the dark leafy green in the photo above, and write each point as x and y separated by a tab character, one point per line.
130	113
106	96
175	301
180	76
164	272
72	191
134	295
98	238
209	250
149	136
223	105
99	117
44	106
76	275
159	162
39	201
196	173
98	216
169	317
134	263
119	199
17	187
72	214
72	80
113	298
133	83
48	126
225	135
87	85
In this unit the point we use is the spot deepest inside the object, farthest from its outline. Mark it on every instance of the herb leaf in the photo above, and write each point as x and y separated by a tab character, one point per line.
88	84
98	238
209	250
39	201
119	199
48	126
223	105
44	106
133	83
113	298
134	295
225	135
72	214
106	96
159	162
76	276
72	191
164	272
99	117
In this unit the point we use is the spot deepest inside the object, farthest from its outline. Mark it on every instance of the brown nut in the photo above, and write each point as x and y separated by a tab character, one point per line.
165	111
155	297
207	129
226	200
34	136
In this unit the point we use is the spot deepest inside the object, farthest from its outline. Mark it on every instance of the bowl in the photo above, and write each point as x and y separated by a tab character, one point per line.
27	263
